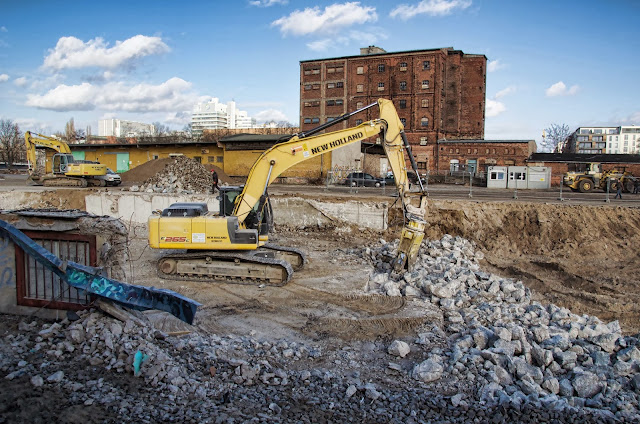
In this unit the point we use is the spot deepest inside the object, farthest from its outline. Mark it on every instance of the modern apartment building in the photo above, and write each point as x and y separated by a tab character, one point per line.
624	139
121	128
438	93
213	115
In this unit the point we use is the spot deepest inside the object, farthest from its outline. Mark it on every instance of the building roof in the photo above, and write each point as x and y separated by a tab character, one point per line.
583	158
480	141
448	49
255	138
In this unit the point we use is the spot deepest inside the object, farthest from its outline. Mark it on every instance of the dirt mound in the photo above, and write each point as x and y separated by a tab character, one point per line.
581	257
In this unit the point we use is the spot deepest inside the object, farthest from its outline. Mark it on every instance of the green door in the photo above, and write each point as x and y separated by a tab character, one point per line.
78	155
122	162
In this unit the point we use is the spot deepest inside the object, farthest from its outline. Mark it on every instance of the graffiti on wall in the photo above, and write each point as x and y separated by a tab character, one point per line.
6	264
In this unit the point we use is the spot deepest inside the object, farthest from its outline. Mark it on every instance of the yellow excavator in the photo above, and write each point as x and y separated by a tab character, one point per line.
232	244
65	170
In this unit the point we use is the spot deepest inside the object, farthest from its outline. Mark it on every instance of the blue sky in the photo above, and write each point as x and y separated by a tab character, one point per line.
549	61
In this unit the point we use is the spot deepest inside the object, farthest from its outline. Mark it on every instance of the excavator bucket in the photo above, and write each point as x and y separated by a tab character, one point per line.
411	238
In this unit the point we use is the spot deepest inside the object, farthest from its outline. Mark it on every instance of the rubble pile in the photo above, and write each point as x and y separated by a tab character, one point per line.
180	176
494	355
512	349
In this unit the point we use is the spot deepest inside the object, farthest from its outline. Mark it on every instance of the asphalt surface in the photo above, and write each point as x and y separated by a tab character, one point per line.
555	195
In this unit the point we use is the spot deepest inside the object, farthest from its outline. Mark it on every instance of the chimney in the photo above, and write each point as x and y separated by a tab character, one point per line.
371	50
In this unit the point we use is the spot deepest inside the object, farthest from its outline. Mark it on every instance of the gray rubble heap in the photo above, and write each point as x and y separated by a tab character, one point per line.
492	355
182	176
512	349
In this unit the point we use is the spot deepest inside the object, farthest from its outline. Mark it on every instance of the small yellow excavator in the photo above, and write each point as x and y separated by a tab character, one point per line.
232	244
65	170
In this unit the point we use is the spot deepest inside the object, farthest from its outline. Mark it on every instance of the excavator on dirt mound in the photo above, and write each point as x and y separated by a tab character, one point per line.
232	245
65	170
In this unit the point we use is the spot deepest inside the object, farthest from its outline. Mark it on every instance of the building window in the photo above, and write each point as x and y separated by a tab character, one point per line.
339	102
402	104
424	122
403	85
315	120
358	121
468	151
360	70
425	102
380	86
423	141
331	102
210	159
422	165
330	118
381	68
404	121
426	65
315	71
403	66
339	84
307	120
331	85
155	157
307	71
331	70
316	86
307	86
359	88
359	105
425	83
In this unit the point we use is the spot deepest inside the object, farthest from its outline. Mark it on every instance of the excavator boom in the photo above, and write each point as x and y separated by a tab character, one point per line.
193	227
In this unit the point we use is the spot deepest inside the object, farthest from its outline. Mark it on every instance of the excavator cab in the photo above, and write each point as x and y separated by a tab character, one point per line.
260	217
61	162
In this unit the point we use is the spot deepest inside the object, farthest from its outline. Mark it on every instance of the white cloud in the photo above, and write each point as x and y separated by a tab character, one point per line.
429	7
169	96
505	92
328	21
267	3
494	108
71	52
270	115
495	65
363	38
560	89
4	77
20	82
3	29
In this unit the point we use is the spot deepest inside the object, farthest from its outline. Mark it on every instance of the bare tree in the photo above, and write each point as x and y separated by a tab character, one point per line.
160	129
70	131
12	145
554	137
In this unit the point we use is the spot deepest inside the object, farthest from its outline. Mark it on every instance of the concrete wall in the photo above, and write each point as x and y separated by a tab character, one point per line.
292	212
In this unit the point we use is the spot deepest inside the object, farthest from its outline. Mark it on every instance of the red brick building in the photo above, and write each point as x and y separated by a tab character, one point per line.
476	155
438	93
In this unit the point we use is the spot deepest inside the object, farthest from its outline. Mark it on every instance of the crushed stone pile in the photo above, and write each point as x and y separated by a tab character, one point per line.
512	349
179	176
493	355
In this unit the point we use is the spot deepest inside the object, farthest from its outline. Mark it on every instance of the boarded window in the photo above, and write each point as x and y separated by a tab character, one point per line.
39	287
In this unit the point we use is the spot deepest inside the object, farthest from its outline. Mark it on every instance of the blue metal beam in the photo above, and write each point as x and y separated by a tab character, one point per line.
87	278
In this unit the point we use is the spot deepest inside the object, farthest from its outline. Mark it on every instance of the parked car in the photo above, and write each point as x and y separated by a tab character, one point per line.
362	179
112	178
413	179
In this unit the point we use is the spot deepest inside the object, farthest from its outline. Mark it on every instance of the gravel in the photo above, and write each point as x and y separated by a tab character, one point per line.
495	356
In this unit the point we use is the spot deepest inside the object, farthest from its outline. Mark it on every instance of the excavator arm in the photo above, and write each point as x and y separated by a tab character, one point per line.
32	142
301	147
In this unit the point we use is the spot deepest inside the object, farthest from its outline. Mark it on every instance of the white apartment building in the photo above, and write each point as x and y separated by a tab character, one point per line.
625	140
121	128
214	115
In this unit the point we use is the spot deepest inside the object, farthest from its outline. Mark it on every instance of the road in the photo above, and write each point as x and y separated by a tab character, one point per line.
435	191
